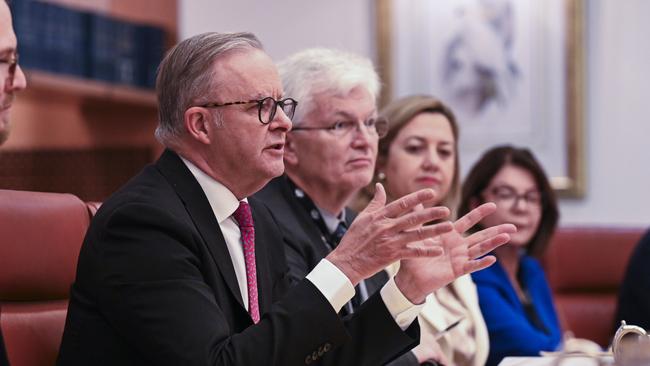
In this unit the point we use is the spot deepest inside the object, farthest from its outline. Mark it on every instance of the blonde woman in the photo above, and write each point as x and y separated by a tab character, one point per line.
421	151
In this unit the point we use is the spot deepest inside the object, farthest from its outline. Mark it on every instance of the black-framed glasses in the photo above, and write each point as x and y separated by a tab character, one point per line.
12	61
509	197
375	125
266	107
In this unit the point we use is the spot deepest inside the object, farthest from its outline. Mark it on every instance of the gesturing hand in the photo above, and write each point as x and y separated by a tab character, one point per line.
418	277
383	234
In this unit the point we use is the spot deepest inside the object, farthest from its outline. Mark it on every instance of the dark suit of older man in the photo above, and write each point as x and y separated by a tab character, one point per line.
156	286
306	242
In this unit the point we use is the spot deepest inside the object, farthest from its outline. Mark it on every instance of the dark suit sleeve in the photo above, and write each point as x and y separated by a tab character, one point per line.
407	359
376	339
634	298
3	352
298	267
145	272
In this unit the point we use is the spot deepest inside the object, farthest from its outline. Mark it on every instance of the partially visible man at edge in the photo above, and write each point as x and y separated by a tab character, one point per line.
12	80
11	75
329	156
179	267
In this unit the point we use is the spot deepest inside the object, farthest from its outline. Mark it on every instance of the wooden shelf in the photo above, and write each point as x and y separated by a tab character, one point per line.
65	113
40	81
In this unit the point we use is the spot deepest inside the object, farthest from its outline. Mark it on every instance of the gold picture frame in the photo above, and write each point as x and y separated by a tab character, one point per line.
571	183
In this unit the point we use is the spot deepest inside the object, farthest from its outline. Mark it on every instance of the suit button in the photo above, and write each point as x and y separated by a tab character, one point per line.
327	347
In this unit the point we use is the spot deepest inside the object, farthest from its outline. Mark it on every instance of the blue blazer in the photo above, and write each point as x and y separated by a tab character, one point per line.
511	332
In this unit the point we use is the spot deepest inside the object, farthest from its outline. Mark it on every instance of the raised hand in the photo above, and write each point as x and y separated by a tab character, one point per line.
417	277
383	234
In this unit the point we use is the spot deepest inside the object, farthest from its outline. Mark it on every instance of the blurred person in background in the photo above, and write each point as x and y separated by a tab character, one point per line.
634	296
514	294
12	80
12	77
419	151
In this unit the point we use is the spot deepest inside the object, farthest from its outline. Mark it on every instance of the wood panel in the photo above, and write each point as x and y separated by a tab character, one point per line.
76	119
91	174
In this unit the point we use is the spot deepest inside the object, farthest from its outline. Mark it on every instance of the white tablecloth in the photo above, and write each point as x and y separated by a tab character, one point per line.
548	361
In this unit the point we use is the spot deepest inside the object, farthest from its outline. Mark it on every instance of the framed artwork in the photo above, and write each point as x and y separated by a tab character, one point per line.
511	70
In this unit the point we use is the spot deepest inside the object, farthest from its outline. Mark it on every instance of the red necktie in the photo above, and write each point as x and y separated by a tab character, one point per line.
245	220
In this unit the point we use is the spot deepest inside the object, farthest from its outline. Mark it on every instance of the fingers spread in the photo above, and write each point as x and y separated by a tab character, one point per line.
426	232
490	232
408	202
473	217
488	245
378	200
416	218
425	248
478	264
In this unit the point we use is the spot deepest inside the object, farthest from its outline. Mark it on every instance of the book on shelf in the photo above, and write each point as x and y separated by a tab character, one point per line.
69	41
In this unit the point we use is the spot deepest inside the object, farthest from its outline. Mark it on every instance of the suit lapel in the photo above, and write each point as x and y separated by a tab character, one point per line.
305	222
198	207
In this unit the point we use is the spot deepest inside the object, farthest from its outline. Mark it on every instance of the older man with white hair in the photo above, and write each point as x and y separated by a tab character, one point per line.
329	156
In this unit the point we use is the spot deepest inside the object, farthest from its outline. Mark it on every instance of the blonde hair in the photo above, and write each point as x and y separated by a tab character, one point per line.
399	113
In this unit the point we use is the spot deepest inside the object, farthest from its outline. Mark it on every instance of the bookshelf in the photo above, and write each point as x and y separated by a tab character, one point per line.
63	113
91	90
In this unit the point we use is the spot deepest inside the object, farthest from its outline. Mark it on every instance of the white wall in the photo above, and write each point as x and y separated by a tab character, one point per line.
618	123
617	96
285	26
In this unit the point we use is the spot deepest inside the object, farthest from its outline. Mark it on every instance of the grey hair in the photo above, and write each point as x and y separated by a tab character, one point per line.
317	70
185	77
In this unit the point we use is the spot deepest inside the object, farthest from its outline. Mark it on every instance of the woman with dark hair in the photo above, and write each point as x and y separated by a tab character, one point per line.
513	294
421	151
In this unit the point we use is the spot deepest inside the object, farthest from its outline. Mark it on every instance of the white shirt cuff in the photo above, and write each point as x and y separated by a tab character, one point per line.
403	311
332	283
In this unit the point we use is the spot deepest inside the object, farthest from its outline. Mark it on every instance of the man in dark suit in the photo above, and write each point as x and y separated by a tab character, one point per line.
325	165
12	80
329	156
179	268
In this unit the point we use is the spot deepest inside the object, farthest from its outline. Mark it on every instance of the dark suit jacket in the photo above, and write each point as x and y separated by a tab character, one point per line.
304	242
155	285
3	352
303	239
634	296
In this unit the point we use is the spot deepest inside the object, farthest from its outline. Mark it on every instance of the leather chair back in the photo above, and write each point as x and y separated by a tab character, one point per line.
41	237
585	267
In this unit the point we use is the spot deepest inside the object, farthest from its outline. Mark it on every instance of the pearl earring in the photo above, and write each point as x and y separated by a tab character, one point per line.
381	176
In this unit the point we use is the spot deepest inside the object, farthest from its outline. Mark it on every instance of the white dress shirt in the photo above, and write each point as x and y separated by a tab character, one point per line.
327	278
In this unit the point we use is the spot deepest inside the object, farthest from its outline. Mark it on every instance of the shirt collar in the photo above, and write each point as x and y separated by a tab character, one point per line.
331	221
223	202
